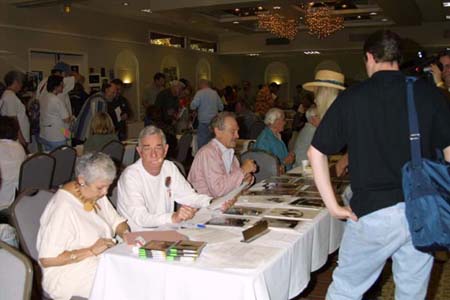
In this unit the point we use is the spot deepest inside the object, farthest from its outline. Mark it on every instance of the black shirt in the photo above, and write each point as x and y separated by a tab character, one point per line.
372	120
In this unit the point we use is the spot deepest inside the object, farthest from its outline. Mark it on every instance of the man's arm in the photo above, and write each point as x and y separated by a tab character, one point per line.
447	154
319	164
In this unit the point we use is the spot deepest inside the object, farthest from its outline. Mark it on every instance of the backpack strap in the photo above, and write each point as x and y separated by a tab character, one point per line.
414	134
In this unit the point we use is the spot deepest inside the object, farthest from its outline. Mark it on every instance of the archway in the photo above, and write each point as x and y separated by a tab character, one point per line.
278	72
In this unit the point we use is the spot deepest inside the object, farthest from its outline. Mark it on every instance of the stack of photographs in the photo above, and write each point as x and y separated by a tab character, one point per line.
245	211
228	221
292	214
282	223
264	199
315	203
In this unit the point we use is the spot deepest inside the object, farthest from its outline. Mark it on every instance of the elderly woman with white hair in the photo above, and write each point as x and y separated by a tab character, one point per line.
78	224
270	138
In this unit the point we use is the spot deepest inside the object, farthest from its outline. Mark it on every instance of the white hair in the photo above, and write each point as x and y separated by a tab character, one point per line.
151	130
95	166
310	113
324	97
272	115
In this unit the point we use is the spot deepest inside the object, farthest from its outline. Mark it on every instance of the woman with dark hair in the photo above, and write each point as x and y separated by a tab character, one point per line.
12	155
54	118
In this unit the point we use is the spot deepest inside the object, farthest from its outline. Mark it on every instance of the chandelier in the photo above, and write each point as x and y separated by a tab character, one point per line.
321	23
278	25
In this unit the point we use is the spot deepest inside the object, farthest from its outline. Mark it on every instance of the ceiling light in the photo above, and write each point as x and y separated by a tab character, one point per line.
235	22
384	20
125	4
260	8
311	3
146	10
277	7
344	5
236	9
446	4
253	54
359	17
447	17
311	52
373	13
67	8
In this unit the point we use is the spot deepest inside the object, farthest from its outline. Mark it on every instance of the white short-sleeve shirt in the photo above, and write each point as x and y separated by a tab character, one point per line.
13	107
53	112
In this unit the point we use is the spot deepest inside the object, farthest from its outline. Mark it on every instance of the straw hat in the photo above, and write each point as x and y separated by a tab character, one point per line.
326	78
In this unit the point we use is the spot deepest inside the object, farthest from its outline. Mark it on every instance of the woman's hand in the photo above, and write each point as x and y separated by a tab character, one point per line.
290	158
101	245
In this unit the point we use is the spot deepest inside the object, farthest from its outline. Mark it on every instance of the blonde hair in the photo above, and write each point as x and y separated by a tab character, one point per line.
102	124
324	97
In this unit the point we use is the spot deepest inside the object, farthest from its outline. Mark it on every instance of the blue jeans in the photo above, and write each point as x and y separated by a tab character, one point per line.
50	146
203	134
365	247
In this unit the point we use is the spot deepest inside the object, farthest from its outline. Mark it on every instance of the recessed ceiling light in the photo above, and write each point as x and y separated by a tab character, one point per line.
125	3
344	5
277	7
359	17
260	8
301	18
146	10
235	22
311	52
384	20
446	4
373	13
236	9
447	17
253	54
311	3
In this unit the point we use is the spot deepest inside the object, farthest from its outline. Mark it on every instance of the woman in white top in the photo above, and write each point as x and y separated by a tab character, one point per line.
77	225
12	155
54	118
13	107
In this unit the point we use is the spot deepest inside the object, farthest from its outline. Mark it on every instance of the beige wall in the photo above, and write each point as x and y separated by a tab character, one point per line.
49	29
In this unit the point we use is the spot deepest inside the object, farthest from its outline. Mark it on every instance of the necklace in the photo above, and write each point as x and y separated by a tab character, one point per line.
88	205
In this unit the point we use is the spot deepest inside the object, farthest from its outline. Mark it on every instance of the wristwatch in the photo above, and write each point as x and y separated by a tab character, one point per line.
73	256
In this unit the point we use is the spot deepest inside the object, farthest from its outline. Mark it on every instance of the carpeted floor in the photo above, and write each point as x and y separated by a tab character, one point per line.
438	289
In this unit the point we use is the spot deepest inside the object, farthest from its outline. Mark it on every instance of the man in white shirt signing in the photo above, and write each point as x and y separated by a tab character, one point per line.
149	188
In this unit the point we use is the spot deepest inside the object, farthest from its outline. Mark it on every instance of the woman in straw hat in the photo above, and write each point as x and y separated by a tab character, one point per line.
325	86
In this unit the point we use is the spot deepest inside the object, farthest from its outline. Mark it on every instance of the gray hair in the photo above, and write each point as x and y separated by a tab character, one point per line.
310	113
95	166
219	120
272	115
13	76
151	130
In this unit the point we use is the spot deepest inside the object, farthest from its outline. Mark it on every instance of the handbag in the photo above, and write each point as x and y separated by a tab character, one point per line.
426	189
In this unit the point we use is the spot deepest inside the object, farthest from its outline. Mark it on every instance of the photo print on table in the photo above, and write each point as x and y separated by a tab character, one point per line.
292	214
225	221
245	211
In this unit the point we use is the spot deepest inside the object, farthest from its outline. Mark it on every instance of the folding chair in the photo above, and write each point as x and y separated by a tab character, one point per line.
268	164
115	150
65	158
36	172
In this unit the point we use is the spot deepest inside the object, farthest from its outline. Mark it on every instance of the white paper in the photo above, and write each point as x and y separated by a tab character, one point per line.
210	235
217	202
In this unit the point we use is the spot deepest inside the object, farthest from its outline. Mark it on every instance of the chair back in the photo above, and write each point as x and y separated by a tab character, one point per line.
16	278
26	213
113	196
180	167
115	150
268	164
36	172
65	158
183	146
136	156
256	129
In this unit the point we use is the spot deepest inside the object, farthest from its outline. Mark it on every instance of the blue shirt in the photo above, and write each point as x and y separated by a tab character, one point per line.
208	104
267	141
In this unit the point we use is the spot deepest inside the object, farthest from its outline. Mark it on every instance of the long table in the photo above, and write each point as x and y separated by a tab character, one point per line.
275	266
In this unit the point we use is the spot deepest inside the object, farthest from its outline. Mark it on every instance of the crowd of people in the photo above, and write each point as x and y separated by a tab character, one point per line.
366	123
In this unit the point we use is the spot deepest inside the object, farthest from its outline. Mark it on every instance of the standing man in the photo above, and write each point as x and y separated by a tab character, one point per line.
11	106
216	170
118	110
372	120
151	91
168	102
94	104
207	103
